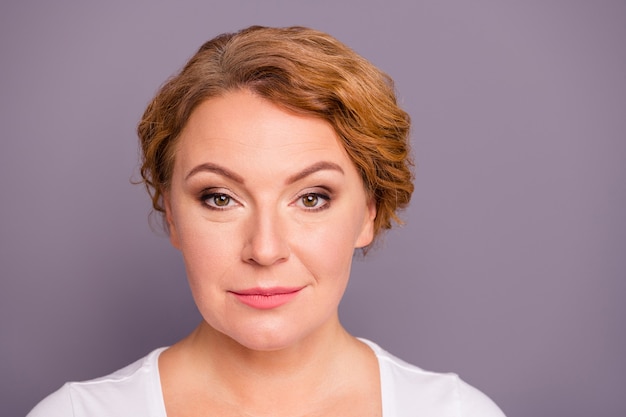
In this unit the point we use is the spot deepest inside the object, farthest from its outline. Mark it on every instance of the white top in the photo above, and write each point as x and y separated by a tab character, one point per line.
135	391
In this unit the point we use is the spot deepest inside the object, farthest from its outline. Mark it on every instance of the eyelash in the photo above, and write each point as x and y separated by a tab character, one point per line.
324	197
210	195
207	198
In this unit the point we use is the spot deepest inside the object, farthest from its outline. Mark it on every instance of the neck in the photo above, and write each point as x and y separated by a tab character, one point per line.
326	373
249	376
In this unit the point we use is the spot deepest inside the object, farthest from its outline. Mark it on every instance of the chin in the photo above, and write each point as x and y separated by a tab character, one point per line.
264	345
268	340
260	336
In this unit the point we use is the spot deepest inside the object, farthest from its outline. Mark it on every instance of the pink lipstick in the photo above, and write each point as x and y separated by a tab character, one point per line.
266	298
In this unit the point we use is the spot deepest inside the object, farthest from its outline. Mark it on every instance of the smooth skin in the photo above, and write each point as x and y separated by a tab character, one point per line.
262	199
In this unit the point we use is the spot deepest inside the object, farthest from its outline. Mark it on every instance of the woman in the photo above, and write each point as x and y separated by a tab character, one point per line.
273	155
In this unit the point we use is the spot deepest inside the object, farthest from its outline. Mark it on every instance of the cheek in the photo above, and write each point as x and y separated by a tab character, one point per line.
328	249
207	253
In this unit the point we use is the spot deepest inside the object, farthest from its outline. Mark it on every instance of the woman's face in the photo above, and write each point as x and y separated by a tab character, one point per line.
266	208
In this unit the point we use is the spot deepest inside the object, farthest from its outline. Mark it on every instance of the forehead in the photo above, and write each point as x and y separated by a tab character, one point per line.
243	127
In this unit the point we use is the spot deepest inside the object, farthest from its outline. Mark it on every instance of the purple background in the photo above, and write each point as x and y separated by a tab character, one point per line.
509	271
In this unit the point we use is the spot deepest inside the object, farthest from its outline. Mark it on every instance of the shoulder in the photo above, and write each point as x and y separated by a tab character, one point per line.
408	390
132	390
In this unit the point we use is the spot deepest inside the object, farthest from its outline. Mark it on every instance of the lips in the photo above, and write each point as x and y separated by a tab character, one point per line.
266	298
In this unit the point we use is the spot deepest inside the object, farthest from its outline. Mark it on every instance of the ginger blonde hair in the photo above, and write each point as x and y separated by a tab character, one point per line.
301	70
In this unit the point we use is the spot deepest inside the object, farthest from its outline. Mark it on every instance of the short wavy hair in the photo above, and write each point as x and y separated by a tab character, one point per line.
301	70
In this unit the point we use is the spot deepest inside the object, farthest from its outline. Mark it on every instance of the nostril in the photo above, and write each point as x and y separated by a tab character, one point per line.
266	245
266	252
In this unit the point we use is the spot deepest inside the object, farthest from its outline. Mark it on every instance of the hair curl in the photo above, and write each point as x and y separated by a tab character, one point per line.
302	70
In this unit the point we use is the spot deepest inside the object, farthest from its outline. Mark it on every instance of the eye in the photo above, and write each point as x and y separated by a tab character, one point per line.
221	200
310	200
313	201
218	201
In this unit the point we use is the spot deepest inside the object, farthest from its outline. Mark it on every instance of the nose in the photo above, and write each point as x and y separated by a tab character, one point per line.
265	244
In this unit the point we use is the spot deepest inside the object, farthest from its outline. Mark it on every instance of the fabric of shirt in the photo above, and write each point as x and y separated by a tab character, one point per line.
135	391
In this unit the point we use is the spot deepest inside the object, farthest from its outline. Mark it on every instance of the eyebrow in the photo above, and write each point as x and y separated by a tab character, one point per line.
217	169
225	172
318	166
